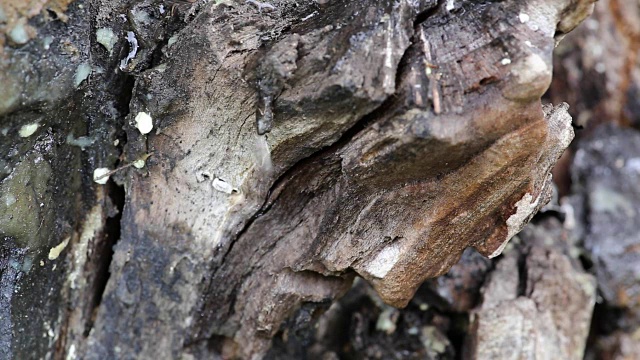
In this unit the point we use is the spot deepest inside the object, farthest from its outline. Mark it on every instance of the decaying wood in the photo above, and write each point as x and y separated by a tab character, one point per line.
537	302
295	145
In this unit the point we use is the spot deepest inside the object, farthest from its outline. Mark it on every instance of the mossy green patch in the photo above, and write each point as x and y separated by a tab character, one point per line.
24	200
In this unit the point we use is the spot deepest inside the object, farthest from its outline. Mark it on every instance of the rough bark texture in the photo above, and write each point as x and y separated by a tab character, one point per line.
598	72
538	309
295	145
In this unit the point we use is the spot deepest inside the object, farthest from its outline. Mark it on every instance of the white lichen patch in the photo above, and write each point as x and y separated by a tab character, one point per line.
82	73
55	251
505	61
450	5
46	42
28	130
81	142
172	40
384	261
9	199
107	38
21	32
523	17
138	164
515	222
222	186
101	175
144	122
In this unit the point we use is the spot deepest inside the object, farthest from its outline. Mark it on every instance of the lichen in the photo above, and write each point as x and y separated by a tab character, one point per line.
82	141
82	73
107	38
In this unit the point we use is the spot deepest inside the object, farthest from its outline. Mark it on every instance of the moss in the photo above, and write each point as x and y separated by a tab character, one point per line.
23	200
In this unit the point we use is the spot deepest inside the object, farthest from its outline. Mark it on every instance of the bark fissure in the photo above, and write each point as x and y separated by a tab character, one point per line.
345	138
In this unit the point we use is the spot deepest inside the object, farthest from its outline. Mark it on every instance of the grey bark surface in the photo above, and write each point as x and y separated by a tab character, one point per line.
294	147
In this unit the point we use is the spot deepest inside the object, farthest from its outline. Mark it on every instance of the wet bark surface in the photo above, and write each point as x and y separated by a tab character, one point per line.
260	156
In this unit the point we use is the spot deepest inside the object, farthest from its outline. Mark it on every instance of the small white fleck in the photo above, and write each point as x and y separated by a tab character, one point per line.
600	68
505	61
523	17
71	355
82	73
450	5
107	38
172	40
309	16
222	186
9	199
100	175
46	42
28	130
528	43
144	122
138	164
41	263
20	33
56	250
384	261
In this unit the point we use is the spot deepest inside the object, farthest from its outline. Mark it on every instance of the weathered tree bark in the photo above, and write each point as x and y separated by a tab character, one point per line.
295	145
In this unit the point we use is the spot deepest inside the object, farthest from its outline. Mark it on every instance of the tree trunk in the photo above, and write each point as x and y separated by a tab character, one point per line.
178	177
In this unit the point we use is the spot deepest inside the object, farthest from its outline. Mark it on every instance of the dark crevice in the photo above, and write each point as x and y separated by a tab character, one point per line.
458	332
426	14
104	250
522	274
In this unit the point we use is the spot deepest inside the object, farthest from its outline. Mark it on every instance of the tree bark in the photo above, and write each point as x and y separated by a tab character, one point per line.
294	146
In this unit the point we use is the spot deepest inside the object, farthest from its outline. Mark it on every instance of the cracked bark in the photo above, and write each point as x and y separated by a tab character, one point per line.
293	149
